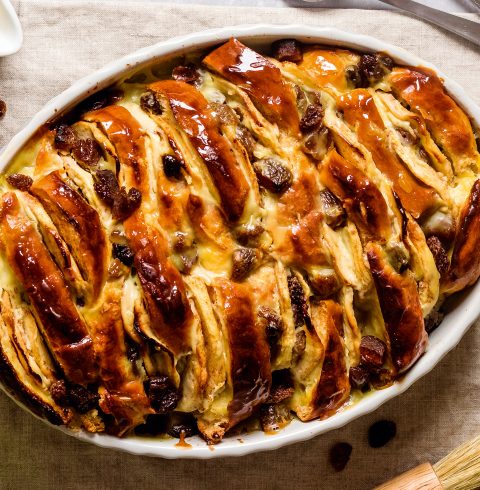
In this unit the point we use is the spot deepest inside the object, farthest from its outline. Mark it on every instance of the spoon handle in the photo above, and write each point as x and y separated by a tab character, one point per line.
463	27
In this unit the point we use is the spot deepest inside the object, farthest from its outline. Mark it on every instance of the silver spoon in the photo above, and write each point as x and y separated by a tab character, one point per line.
463	27
11	35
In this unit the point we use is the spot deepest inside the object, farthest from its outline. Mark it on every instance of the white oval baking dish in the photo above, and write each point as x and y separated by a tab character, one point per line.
442	340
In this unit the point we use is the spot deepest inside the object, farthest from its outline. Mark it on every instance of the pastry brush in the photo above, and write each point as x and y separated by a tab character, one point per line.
460	470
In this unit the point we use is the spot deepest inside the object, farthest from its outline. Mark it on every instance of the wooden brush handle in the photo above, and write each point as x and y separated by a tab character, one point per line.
421	477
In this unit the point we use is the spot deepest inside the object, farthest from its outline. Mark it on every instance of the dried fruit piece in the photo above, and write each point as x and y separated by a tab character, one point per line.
243	262
274	417
65	138
163	396
287	50
381	433
59	393
106	186
340	455
312	119
273	324
3	109
150	103
86	151
372	351
272	175
172	167
359	376
332	209
82	399
439	254
178	423
186	73
124	253
20	181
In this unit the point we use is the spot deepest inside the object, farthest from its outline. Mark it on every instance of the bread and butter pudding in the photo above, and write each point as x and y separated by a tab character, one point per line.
233	236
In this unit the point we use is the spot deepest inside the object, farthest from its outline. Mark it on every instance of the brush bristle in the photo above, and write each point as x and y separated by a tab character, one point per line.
460	470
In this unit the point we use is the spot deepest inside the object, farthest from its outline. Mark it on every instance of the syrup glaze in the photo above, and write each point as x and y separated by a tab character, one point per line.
400	307
260	79
423	90
360	112
79	225
193	115
64	329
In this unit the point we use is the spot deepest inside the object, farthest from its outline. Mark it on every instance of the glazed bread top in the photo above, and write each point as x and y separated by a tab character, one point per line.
241	238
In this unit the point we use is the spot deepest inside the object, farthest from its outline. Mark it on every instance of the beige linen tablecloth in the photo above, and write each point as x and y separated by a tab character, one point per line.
66	41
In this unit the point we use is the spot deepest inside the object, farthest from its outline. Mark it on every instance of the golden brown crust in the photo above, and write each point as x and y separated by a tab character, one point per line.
465	262
359	195
78	224
259	78
359	111
401	309
334	386
249	352
64	329
423	90
229	242
193	115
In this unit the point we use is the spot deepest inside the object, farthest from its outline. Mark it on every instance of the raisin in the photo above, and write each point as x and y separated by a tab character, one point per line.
442	226
82	398
223	113
249	235
101	99
162	394
297	298
178	422
246	139
153	426
339	455
123	253
372	351
133	353
407	136
186	73
59	393
274	324
299	345
439	254
274	417
373	67
125	204
358	376
188	261
287	50
282	386
121	203
106	186
381	432
243	262
312	119
3	109
86	152
272	175
150	103
317	143
433	320
115	270
20	181
172	167
65	138
332	209
353	75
